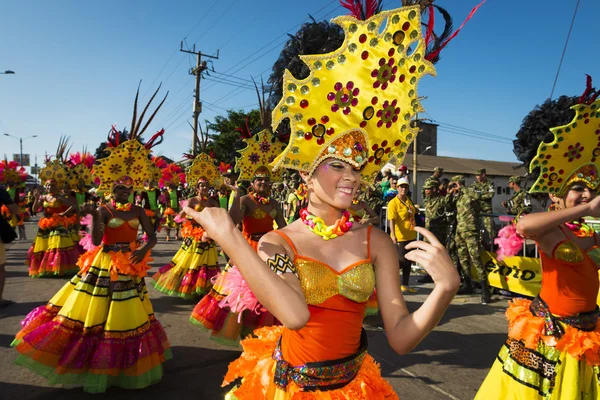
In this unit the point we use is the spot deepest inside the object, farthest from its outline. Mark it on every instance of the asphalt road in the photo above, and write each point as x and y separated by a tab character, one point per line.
450	363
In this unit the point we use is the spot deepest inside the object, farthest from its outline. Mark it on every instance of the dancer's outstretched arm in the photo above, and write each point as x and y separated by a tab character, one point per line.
406	330
536	224
282	297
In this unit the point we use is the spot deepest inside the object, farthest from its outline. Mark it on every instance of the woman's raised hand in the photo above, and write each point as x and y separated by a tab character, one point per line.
594	206
215	221
435	259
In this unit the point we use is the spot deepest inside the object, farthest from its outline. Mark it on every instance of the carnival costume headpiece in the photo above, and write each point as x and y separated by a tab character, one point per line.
129	162
11	173
203	168
56	169
255	159
358	102
171	174
80	168
574	154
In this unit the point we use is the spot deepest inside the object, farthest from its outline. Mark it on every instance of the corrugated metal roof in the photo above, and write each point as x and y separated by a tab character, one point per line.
453	165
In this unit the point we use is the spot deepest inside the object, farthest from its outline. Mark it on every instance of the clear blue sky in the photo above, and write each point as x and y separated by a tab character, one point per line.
78	64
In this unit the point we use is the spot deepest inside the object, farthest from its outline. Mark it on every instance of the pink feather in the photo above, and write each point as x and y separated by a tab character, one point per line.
240	295
509	242
179	219
183	203
86	221
86	241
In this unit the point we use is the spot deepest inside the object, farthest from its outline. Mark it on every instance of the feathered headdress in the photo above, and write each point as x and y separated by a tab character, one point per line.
11	173
80	166
129	162
56	169
255	159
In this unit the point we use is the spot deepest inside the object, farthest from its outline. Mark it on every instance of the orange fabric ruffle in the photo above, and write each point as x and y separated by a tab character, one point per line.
256	367
120	262
528	328
169	211
191	231
56	220
149	213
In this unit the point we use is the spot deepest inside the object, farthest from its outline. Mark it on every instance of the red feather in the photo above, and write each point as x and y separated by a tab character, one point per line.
434	54
371	8
354	7
151	142
590	95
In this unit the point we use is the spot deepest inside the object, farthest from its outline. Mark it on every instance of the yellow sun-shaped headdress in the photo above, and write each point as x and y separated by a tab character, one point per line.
358	103
129	163
56	168
255	159
573	155
203	168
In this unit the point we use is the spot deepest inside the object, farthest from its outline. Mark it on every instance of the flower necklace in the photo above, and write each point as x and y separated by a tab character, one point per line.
260	199
120	206
355	201
580	228
318	226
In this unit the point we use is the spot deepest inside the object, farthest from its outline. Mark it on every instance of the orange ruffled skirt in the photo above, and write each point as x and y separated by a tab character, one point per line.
532	366
256	366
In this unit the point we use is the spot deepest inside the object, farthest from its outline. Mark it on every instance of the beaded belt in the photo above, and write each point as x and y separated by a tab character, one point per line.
325	375
585	321
116	247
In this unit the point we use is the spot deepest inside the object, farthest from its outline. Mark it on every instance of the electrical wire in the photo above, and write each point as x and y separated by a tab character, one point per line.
562	57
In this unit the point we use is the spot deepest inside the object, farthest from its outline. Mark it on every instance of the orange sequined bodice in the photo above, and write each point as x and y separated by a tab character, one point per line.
258	221
118	230
336	302
570	278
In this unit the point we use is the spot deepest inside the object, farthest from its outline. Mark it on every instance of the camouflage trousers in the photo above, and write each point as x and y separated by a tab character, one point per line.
468	248
488	225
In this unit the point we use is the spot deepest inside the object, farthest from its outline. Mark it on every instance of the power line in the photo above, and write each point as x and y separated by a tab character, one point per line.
216	20
469	130
564	49
175	51
474	136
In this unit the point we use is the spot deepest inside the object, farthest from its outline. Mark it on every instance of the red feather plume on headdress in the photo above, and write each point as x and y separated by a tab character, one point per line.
245	130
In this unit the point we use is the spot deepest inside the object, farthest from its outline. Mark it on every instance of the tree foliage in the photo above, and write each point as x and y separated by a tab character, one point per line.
226	140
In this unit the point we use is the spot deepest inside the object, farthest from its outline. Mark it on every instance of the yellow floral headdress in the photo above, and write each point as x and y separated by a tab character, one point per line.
129	162
203	167
255	158
359	102
573	155
56	169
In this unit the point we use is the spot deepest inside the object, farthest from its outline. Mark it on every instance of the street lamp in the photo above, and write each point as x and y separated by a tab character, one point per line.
415	159
21	144
8	72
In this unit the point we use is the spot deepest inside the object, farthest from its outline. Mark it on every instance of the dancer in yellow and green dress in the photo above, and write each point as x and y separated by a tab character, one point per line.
54	251
99	330
190	272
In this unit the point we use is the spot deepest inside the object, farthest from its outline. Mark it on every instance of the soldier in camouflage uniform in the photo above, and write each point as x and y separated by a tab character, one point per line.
467	238
484	191
430	181
519	202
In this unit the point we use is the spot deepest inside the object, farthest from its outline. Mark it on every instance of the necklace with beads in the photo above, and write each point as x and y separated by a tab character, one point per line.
355	201
580	228
260	199
121	206
319	228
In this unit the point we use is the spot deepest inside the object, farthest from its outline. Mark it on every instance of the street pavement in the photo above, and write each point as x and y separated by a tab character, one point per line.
450	363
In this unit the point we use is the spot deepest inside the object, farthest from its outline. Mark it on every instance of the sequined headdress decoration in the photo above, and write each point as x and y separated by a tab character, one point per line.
204	168
255	159
574	154
129	162
172	174
56	168
358	103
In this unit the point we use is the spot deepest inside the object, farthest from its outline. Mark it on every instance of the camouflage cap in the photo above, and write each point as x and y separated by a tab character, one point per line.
431	184
436	169
515	179
480	171
458	178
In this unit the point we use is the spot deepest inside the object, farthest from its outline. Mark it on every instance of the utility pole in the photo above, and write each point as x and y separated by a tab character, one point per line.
197	71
